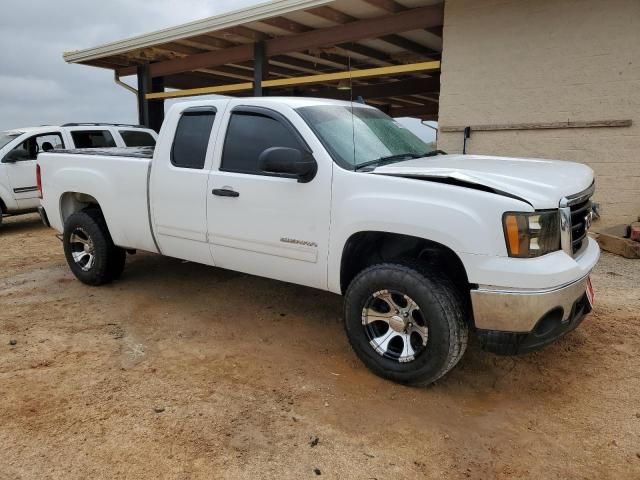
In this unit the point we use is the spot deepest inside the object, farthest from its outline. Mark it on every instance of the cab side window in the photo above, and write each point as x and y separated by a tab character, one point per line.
190	144
249	134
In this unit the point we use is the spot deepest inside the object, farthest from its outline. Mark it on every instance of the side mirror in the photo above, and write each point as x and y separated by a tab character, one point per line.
16	155
289	162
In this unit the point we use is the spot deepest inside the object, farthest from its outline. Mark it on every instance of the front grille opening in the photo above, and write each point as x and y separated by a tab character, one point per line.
580	213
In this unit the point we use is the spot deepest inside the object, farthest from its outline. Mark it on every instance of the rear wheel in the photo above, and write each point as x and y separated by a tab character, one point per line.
405	323
89	249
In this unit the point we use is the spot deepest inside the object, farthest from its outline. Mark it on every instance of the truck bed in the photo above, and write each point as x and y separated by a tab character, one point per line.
116	177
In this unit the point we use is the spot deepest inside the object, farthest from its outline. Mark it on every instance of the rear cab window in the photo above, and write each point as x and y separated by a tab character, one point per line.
192	136
137	138
93	139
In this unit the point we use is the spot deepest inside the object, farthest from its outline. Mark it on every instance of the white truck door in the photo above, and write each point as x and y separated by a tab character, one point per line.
20	165
265	224
178	182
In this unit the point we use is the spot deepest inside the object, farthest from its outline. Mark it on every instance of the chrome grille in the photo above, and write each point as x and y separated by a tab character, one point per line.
580	222
576	213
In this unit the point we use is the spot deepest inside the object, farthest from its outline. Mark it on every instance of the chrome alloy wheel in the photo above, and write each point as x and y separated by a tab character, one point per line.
395	326
82	249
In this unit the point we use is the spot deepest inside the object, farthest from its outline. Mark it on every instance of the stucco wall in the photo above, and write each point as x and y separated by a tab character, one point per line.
521	61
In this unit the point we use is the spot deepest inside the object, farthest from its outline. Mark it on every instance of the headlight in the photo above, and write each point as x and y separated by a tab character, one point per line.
531	234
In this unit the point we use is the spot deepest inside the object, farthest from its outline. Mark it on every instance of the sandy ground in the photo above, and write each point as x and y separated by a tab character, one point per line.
184	371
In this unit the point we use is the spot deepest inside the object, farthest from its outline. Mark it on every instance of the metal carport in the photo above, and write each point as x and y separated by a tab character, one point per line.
388	50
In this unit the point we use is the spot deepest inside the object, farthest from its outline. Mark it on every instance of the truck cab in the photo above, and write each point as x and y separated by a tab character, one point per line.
19	150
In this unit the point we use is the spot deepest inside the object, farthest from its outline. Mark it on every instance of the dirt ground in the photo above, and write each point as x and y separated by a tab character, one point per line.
184	371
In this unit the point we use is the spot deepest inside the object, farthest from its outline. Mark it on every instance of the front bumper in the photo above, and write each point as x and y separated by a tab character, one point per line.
549	329
520	310
513	322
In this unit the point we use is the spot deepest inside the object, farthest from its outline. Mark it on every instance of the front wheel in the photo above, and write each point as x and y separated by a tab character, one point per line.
405	323
89	249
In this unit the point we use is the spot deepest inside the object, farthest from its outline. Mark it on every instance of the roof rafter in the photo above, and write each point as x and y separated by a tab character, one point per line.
341	18
390	6
421	17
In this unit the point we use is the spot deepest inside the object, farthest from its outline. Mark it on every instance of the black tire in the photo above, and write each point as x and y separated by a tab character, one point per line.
440	310
1	213
108	260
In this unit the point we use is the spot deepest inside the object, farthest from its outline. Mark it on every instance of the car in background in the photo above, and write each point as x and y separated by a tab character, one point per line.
19	149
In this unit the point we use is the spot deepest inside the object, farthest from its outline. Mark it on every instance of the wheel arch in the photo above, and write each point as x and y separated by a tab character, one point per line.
366	248
72	202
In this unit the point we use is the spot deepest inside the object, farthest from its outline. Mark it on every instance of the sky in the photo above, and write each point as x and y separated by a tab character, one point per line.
36	85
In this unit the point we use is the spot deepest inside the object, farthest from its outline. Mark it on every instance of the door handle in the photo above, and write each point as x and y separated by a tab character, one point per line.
225	192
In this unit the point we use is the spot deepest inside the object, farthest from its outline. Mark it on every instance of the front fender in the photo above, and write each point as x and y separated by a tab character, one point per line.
465	220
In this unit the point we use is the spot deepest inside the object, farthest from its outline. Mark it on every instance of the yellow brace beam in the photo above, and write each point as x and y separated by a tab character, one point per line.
310	79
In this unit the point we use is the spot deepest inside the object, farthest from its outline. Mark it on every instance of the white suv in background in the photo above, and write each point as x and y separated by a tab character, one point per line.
19	149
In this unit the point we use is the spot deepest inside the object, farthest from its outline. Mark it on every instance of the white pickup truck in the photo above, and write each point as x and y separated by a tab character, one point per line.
19	150
424	246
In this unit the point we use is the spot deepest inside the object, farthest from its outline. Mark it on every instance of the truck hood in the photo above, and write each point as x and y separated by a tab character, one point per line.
542	183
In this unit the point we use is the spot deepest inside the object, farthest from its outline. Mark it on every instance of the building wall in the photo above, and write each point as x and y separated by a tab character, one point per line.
522	61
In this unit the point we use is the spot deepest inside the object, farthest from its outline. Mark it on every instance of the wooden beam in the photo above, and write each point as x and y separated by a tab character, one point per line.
386	89
388	5
405	102
295	27
430	110
192	80
437	31
341	18
541	126
179	47
371	53
411	46
228	72
216	58
209	42
422	17
245	32
310	79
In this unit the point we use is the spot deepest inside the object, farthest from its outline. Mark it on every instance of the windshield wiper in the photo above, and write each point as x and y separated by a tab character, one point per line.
394	158
434	153
388	159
